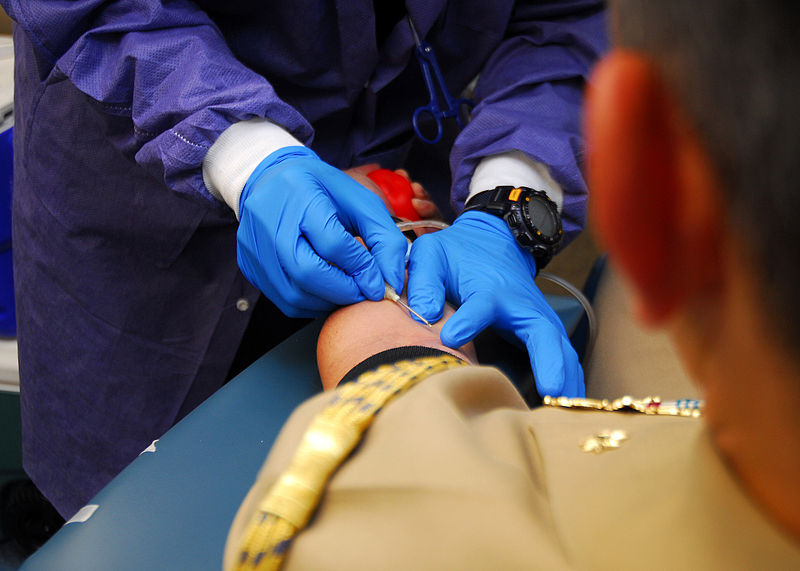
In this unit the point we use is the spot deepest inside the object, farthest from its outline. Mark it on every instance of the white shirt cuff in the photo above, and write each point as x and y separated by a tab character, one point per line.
237	152
515	168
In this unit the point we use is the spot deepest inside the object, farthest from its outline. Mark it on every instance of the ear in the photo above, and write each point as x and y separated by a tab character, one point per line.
654	196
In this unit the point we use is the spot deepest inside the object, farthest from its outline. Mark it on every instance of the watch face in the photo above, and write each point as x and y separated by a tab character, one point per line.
541	216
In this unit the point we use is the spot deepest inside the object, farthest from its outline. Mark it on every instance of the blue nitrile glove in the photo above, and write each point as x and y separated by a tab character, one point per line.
297	219
477	264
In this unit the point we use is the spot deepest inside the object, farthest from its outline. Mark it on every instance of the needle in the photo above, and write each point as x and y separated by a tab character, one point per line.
391	295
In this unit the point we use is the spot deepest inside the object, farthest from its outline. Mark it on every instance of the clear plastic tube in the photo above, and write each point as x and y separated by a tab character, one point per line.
411	225
587	308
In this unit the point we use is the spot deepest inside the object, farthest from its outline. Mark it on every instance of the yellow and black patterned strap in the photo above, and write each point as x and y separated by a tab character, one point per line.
333	434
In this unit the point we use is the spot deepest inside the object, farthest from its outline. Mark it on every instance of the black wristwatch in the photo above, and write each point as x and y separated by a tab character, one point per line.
530	214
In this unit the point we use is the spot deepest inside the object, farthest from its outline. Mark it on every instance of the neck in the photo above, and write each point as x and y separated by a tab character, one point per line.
758	432
752	392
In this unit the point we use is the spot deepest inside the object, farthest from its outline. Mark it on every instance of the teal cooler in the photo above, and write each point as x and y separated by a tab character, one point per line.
8	323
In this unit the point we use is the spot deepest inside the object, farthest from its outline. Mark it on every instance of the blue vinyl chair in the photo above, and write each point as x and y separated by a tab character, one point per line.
172	506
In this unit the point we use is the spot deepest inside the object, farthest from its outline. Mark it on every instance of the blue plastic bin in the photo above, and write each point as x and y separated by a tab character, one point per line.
8	316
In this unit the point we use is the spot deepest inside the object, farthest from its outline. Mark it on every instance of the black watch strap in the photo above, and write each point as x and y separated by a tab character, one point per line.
506	202
494	200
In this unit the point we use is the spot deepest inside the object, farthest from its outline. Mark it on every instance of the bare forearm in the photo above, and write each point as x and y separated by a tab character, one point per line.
356	332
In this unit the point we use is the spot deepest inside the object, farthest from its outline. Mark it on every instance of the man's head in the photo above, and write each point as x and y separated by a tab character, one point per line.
706	97
694	163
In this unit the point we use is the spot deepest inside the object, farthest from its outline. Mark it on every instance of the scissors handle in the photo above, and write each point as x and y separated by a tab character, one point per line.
433	114
434	80
460	110
425	115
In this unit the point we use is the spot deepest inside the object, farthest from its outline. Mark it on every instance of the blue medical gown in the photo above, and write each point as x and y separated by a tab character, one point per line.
125	265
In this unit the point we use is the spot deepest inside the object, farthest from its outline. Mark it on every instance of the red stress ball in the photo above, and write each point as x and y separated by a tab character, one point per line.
398	192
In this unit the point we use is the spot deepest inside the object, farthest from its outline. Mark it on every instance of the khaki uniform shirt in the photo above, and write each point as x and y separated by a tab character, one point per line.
458	474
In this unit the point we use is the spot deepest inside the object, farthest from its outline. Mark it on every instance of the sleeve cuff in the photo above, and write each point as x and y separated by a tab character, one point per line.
390	356
515	168
237	152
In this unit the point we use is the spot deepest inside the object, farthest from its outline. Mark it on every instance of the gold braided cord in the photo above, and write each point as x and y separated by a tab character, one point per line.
333	434
266	541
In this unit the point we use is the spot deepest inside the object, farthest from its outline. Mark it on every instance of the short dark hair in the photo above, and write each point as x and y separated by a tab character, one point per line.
734	66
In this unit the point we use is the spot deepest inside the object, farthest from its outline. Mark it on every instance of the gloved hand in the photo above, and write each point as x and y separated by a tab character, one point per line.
297	219
477	264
